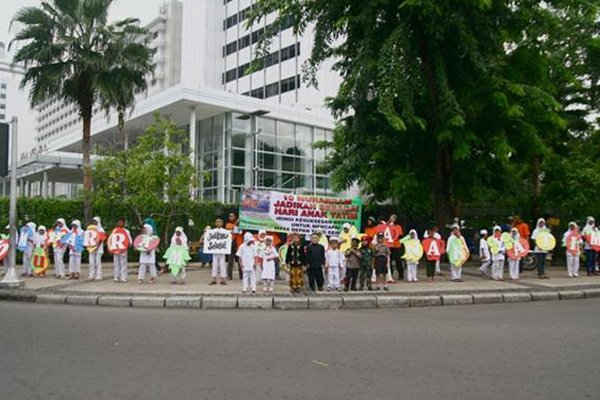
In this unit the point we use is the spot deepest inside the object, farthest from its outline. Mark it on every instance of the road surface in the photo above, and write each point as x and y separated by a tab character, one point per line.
504	351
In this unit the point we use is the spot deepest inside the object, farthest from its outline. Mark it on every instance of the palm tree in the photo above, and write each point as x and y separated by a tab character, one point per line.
132	61
68	51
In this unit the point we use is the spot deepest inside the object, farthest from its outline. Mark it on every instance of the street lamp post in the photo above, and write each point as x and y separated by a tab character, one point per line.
11	279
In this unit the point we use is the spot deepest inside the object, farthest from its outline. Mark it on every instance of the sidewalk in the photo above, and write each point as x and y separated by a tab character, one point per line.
197	292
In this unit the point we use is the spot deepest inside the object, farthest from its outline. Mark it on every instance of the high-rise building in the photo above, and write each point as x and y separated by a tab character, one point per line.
15	103
247	127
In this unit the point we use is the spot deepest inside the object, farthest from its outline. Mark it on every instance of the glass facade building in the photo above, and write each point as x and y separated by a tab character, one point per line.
237	151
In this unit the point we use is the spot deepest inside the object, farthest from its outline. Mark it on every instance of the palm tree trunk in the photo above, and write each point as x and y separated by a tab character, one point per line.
87	165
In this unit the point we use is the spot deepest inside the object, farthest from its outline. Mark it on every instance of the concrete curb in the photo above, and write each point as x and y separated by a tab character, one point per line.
286	302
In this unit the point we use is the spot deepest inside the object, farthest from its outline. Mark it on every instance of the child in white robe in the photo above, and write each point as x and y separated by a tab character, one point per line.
246	254
333	263
573	242
267	256
497	254
484	253
147	259
513	264
96	255
75	244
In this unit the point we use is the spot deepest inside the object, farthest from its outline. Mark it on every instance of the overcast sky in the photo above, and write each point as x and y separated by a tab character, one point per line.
145	10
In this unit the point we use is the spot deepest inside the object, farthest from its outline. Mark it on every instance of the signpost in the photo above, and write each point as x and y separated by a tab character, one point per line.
11	279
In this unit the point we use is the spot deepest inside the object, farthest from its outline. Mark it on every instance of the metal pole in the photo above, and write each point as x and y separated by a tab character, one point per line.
11	279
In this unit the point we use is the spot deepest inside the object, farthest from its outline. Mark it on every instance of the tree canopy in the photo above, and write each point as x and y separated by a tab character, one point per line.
445	103
72	54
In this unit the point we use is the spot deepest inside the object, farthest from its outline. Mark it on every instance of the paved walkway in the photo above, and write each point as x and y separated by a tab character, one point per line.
198	293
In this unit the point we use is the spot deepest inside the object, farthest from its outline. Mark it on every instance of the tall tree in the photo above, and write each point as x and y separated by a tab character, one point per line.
156	173
430	112
68	51
127	78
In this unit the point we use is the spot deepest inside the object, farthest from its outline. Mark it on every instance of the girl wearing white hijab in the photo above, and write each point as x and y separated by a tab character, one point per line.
179	238
59	249
178	255
75	249
147	260
498	249
540	227
26	241
96	255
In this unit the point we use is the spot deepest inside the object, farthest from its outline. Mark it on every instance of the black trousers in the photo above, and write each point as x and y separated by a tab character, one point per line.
351	278
231	261
396	258
315	278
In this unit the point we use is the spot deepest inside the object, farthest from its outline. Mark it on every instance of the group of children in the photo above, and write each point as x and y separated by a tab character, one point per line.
494	250
35	244
349	261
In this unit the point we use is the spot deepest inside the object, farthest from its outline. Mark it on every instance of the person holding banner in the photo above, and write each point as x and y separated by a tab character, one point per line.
382	261
25	244
118	244
246	254
177	255
353	259
219	262
516	248
458	253
366	263
147	255
74	241
396	246
543	243
56	234
295	259
589	231
572	241
434	247
435	235
40	261
233	226
94	237
484	253
497	248
413	251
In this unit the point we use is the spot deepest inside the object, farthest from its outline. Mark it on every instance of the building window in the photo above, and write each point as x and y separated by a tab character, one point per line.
2	85
2	116
3	96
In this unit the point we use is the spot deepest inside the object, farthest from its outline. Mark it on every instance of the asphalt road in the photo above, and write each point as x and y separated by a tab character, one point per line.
505	351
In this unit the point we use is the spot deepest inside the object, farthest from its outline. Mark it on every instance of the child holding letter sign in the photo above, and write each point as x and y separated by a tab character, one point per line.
217	242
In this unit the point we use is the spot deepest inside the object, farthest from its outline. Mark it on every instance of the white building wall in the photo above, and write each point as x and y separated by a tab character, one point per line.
14	102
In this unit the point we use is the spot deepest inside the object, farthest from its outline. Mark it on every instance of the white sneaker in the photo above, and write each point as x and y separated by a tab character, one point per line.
98	279
116	280
123	281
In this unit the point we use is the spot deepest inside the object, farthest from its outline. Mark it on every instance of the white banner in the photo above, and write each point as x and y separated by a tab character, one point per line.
217	241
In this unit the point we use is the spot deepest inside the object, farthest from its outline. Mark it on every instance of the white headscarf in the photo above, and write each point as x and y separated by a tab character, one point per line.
31	226
77	223
62	221
98	222
183	237
40	239
149	230
415	232
248	237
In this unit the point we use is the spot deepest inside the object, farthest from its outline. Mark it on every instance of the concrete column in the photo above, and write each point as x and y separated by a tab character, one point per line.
53	189
193	154
21	190
45	185
4	187
29	188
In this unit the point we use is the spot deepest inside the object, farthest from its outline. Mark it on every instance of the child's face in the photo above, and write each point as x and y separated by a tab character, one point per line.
314	239
121	223
218	223
144	231
296	239
268	243
412	235
178	233
380	239
354	244
333	245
